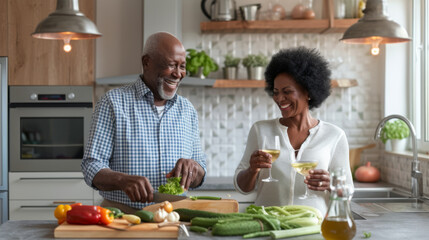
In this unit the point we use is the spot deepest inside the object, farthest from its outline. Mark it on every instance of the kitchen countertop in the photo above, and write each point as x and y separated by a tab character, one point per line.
227	183
388	225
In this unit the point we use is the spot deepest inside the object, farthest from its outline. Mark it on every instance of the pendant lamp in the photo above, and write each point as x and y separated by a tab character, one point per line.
375	28
66	23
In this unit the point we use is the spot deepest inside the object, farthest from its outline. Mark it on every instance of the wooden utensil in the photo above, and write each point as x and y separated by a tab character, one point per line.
354	155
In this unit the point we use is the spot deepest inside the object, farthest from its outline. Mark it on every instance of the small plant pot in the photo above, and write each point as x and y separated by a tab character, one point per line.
230	72
255	73
199	74
398	145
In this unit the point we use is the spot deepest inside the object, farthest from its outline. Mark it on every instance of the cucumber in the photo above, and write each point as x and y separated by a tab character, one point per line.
198	229
239	228
145	216
187	214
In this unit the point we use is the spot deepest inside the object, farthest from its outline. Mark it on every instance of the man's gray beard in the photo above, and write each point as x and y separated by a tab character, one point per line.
161	90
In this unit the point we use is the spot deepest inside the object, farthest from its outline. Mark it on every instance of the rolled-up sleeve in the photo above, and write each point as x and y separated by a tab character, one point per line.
100	143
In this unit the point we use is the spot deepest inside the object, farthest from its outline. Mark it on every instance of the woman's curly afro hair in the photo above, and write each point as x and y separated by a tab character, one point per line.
307	67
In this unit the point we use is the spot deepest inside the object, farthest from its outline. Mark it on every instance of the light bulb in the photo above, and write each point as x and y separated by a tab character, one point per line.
375	51
375	41
67	47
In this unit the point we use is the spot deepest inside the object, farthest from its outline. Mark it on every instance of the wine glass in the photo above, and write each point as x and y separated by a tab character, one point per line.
303	167
273	148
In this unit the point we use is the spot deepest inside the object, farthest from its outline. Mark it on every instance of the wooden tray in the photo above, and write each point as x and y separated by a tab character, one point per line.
144	230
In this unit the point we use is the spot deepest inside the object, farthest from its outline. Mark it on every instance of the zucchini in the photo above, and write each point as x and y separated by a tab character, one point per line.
132	218
144	215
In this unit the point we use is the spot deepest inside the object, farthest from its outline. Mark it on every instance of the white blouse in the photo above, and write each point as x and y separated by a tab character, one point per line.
327	143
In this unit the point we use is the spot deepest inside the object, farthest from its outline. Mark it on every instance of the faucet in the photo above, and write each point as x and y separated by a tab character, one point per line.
416	174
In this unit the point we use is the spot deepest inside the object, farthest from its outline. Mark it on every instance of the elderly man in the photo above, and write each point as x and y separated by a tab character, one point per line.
143	133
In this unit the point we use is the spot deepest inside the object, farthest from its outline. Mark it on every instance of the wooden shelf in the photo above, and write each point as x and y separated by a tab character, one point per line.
279	26
225	83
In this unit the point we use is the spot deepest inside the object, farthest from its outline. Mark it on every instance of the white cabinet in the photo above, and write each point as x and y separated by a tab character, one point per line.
36	195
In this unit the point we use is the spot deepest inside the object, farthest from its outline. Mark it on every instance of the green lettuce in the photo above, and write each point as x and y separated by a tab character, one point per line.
172	186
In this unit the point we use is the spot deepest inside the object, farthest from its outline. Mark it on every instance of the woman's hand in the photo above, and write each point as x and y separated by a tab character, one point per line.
318	180
258	160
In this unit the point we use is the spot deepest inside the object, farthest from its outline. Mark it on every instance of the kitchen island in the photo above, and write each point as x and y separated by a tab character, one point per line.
389	225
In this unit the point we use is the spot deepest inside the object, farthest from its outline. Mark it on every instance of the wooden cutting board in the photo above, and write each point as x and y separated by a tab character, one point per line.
219	206
144	230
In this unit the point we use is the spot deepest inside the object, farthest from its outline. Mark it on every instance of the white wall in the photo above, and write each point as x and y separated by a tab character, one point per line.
118	51
397	64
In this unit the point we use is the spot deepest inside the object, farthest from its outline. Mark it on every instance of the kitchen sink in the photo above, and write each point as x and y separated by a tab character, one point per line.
389	199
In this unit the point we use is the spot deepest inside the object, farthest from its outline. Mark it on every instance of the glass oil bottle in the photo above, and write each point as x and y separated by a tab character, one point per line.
338	222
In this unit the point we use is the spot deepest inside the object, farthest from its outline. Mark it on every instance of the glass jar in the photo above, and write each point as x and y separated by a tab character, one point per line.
338	222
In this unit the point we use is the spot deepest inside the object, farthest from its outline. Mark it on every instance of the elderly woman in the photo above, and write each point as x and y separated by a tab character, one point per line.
298	80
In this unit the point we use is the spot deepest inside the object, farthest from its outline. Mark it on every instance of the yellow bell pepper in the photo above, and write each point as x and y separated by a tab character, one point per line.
60	212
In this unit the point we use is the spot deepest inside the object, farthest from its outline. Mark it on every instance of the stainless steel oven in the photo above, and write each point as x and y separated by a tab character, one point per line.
48	127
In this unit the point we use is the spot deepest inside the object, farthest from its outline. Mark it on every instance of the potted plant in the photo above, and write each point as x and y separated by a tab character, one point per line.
230	71
396	131
199	64
255	65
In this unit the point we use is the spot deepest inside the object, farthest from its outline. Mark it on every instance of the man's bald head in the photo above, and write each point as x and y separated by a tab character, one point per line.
158	42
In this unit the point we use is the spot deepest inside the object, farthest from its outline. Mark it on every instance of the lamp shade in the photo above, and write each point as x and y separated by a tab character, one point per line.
375	26
66	22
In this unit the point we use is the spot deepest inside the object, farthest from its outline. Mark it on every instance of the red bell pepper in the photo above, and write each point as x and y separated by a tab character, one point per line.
84	214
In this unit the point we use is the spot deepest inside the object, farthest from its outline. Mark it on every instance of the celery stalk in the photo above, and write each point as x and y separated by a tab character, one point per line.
295	232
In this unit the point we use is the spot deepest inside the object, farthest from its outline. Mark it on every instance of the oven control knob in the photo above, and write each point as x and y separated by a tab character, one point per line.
33	96
71	96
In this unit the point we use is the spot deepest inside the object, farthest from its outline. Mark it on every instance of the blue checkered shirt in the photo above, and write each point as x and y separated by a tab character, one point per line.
127	135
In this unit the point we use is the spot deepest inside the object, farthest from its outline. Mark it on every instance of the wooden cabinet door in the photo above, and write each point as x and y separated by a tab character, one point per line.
44	62
3	28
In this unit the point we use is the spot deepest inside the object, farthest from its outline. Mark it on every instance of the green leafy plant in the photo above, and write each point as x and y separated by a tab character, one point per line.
396	129
172	186
231	61
199	59
253	60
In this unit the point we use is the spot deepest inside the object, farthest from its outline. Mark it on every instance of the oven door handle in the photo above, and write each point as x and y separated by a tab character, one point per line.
53	178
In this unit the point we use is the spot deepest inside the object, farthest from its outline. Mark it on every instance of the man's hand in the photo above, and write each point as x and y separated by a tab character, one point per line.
137	188
191	172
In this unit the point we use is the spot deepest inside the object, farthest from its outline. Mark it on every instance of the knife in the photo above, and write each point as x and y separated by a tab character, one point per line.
161	197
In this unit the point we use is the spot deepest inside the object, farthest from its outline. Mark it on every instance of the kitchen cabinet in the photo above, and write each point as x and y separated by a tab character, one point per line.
3	28
36	195
325	25
43	62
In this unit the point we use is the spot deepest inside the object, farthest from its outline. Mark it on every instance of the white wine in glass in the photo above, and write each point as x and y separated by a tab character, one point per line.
304	168
272	148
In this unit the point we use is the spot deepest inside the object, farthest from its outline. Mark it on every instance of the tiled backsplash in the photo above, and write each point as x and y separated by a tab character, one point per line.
396	169
226	115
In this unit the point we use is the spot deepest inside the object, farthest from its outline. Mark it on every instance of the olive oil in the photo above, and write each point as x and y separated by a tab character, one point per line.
338	222
338	228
